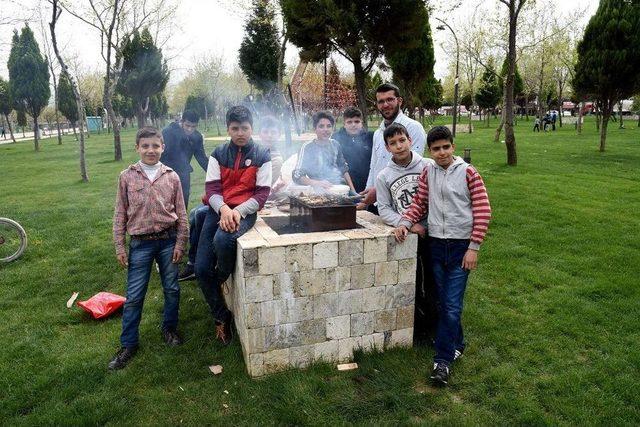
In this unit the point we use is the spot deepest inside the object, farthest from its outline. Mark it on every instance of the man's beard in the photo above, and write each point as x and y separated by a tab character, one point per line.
394	114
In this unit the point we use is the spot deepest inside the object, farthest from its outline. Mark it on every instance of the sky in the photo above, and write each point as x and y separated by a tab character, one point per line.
204	27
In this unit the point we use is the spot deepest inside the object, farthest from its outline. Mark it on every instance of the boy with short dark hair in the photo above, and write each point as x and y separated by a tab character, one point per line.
237	185
150	208
395	187
356	143
459	215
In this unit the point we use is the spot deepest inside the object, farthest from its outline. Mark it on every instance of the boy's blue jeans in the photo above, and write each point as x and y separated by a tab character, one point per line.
196	221
216	259
451	282
142	253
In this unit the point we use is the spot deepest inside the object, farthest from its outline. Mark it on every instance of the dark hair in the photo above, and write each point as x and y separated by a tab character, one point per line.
322	115
240	114
269	122
394	129
386	87
438	133
190	116
148	132
351	112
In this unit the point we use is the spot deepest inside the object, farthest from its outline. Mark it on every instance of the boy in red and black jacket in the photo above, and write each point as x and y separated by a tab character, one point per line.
237	185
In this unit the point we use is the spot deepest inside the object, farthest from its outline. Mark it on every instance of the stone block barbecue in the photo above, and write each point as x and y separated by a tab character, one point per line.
299	298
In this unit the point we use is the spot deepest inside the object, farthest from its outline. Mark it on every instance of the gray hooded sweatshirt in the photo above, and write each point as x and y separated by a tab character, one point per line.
395	187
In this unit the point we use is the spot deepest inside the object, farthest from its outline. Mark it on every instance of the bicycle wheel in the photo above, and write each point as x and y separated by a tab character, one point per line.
13	240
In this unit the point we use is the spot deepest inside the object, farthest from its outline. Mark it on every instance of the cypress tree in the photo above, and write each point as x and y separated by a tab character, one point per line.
29	77
66	100
489	92
260	49
609	57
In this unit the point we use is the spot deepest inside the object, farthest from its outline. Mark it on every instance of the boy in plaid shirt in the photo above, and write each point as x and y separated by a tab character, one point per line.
150	208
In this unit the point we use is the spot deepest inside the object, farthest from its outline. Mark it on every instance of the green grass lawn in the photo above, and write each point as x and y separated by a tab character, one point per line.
551	315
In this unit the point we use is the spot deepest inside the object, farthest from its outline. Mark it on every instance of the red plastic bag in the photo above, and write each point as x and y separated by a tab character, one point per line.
102	304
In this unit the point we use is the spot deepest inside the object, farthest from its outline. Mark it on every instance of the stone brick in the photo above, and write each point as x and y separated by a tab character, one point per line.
256	365
375	250
362	276
325	255
402	338
350	301
299	309
271	260
255	340
259	288
313	331
405	317
407	270
361	324
294	334
346	347
312	282
404	294
350	252
373	298
253	315
385	320
299	257
325	305
250	257
373	342
274	312
338	279
338	327
285	284
386	273
302	356
326	351
404	250
276	360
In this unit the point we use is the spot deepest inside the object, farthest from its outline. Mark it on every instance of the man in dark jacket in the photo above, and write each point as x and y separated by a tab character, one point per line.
182	141
356	146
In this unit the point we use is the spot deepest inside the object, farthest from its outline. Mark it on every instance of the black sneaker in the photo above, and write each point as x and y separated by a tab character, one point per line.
188	272
122	357
171	337
224	332
440	374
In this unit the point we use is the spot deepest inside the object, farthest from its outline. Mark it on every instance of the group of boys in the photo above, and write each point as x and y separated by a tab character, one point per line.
387	168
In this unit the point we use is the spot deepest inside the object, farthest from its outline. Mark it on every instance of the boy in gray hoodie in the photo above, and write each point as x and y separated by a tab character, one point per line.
396	185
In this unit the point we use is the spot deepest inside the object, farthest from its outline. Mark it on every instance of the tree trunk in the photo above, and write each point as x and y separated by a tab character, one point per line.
36	136
620	114
496	138
58	125
579	125
117	147
470	126
283	48
598	121
13	137
603	129
510	138
360	76
74	130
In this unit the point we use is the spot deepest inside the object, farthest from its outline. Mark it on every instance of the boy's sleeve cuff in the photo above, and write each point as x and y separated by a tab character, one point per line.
474	245
406	223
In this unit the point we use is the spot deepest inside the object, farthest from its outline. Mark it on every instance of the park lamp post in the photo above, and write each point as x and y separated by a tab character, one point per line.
455	92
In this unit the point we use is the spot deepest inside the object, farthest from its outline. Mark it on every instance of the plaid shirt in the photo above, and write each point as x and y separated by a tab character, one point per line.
144	207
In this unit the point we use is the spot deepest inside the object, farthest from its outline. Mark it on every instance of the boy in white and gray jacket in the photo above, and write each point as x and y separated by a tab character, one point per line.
396	185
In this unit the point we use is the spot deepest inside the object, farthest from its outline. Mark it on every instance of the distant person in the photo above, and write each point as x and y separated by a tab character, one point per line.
536	125
4	133
356	144
458	216
183	142
321	163
150	208
554	118
396	185
546	120
237	186
389	102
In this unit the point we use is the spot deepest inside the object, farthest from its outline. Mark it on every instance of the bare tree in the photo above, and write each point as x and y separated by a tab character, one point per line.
116	20
52	70
55	15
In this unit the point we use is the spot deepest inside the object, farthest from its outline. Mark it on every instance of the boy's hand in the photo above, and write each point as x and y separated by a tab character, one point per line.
401	233
177	255
369	195
226	219
419	229
236	219
470	260
122	260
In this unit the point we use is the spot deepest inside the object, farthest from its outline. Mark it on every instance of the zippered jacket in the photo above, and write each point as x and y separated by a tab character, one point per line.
396	186
179	148
457	201
356	150
239	177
